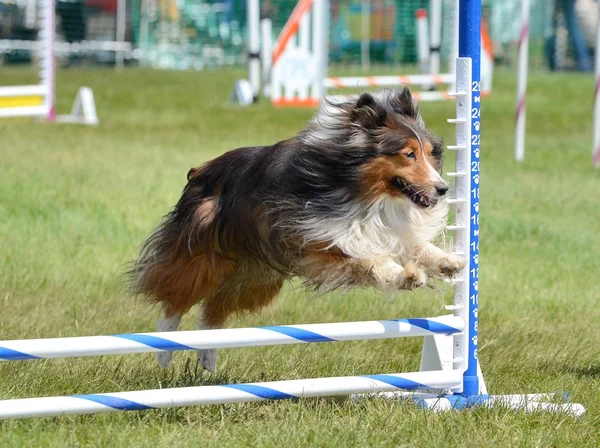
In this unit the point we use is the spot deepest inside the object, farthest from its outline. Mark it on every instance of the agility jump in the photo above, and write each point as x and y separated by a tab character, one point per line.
450	376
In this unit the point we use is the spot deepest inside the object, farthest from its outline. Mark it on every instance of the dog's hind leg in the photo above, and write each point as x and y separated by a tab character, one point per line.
242	293
206	357
180	284
167	323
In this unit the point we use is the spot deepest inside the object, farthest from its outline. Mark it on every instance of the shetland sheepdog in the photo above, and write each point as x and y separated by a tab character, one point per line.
355	199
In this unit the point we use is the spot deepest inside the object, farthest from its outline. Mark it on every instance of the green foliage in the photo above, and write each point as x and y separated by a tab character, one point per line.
77	201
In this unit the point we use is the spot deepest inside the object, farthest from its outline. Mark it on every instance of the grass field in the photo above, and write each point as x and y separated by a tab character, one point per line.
76	202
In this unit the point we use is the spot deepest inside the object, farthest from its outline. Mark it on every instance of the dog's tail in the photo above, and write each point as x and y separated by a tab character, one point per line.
174	267
153	253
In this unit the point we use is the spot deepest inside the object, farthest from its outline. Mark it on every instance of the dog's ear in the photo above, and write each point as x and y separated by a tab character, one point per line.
193	172
366	99
368	112
404	104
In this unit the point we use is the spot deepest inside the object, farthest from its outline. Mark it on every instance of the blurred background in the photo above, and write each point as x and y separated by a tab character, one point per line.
208	34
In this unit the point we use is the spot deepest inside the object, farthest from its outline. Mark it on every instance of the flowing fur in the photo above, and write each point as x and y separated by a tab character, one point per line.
353	200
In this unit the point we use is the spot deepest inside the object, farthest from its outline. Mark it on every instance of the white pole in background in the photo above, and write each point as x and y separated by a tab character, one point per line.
304	45
266	54
31	14
522	83
436	36
596	147
143	43
254	46
365	9
453	54
422	40
47	66
320	50
120	33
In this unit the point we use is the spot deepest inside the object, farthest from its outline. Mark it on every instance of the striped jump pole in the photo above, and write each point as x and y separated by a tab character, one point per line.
596	144
228	393
522	83
120	344
282	390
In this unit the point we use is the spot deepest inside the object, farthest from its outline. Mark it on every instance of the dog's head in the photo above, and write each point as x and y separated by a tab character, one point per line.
399	157
407	158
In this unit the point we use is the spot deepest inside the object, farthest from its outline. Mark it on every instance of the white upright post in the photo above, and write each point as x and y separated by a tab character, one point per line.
365	34
120	33
320	47
522	83
266	54
436	36
422	40
462	218
254	46
596	146
47	67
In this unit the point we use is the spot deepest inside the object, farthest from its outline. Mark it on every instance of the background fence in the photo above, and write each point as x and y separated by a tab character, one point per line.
200	34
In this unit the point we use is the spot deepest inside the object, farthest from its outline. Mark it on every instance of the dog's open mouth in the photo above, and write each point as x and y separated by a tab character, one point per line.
415	194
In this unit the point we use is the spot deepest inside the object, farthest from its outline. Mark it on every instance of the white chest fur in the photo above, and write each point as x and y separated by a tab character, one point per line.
389	227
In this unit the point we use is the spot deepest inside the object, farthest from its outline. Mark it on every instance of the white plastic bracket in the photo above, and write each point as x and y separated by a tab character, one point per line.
84	109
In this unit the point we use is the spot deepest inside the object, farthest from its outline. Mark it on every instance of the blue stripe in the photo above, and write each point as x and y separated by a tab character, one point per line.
461	402
154	342
400	383
300	334
260	391
430	325
457	401
116	403
14	355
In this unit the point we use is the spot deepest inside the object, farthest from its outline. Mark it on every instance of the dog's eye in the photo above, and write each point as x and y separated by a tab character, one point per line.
411	155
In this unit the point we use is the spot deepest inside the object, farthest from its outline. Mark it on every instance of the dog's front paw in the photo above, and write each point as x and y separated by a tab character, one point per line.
451	265
412	277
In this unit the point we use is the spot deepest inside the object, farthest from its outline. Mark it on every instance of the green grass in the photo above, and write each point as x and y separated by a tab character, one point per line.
77	201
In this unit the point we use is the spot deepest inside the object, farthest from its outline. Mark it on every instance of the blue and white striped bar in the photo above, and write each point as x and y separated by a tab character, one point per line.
229	393
227	338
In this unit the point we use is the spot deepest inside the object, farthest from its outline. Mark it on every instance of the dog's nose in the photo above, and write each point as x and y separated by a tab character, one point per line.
442	190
